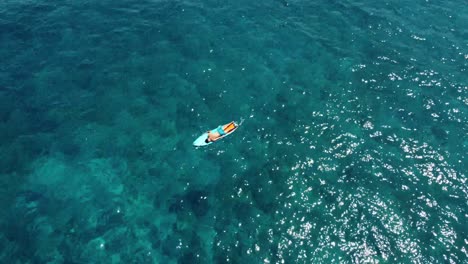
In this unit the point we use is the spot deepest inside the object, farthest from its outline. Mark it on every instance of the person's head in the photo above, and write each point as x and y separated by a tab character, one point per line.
207	140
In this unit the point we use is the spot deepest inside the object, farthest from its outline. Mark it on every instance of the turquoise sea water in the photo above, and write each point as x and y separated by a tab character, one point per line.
353	148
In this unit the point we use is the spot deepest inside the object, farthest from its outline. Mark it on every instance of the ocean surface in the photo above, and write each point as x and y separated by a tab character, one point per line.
353	147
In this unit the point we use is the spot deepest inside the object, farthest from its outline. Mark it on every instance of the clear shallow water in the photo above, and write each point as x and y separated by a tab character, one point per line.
353	148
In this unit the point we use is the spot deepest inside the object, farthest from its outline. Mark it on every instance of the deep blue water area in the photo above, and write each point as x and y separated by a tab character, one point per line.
352	150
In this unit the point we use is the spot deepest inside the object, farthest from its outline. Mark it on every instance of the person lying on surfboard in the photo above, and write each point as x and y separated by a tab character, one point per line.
216	134
219	132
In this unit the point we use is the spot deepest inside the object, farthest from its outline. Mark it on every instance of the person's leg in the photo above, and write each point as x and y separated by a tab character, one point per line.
229	127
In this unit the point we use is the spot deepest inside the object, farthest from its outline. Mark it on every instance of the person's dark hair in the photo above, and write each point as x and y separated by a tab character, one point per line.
206	140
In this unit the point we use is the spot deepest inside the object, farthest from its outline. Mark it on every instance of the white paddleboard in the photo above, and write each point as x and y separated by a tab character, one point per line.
201	140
